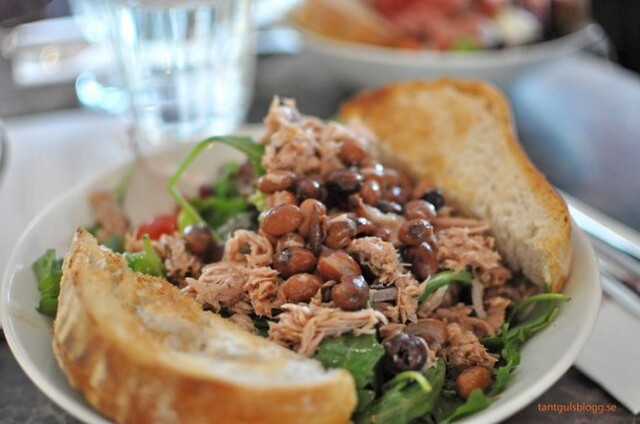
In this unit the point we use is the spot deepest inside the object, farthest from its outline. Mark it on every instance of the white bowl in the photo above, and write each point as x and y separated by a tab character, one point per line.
361	65
545	358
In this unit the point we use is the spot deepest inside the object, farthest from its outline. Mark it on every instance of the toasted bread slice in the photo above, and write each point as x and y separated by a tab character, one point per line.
141	352
459	134
345	20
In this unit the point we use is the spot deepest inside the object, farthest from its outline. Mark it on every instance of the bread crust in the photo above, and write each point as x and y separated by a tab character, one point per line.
133	372
437	129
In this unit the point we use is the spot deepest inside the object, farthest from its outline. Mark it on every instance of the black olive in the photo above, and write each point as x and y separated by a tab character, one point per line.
434	197
404	352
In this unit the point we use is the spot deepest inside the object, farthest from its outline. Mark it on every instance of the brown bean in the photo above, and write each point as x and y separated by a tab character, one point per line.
396	193
351	152
351	294
372	169
310	188
422	258
307	207
198	239
316	232
390	177
276	181
340	232
337	264
387	206
294	260
432	331
289	240
371	192
419	209
281	220
301	287
365	227
344	181
472	378
383	234
281	198
415	231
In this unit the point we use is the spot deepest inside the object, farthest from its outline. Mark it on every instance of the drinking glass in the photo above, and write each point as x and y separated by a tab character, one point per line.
187	65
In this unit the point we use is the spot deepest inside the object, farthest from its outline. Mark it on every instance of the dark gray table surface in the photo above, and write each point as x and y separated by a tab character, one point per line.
610	184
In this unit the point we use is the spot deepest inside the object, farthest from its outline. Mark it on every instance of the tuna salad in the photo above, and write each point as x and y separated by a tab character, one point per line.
318	246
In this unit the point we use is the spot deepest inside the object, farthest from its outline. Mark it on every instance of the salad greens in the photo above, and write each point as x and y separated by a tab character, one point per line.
406	397
147	261
189	214
225	203
515	333
357	354
442	279
48	271
451	408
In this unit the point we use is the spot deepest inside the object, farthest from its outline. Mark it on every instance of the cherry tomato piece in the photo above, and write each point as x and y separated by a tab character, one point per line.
157	226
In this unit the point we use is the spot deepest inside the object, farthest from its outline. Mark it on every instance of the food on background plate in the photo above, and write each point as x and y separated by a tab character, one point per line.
438	24
396	273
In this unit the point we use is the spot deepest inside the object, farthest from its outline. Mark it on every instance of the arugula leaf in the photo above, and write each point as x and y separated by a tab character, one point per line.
217	211
188	214
442	279
357	354
537	298
477	401
146	262
510	358
115	242
121	189
403	401
48	272
512	337
224	185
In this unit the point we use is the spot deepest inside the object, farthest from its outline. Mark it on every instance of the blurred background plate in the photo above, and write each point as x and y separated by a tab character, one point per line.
360	65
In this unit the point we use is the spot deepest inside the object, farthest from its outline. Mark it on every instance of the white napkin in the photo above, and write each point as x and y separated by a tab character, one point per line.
611	355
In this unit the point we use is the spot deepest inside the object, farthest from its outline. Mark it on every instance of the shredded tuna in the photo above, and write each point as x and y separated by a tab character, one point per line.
303	144
110	217
221	284
383	260
178	262
496	310
515	293
463	349
262	288
460	314
228	284
302	327
248	247
391	330
244	321
458	249
380	256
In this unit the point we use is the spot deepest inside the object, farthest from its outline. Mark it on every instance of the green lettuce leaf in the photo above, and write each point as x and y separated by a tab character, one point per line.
146	262
357	354
405	399
48	272
442	279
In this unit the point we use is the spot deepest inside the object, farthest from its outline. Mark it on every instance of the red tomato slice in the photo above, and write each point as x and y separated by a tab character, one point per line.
157	226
